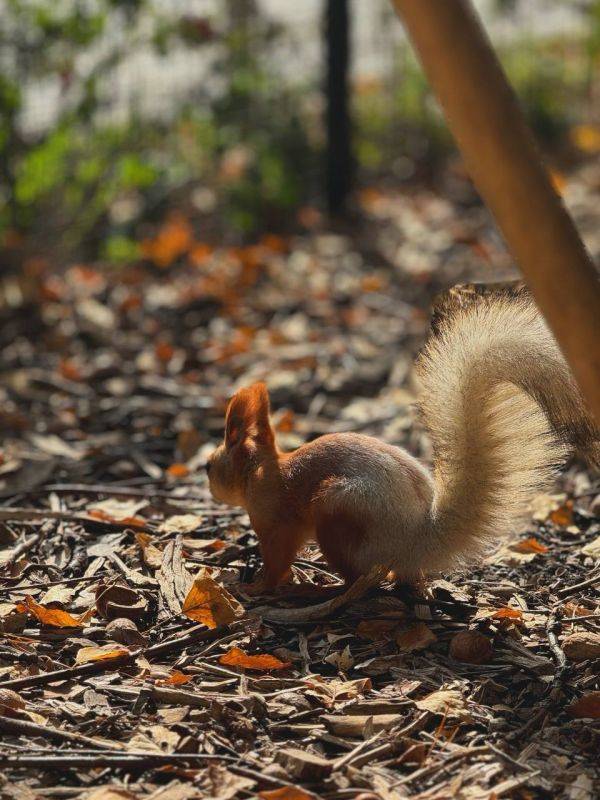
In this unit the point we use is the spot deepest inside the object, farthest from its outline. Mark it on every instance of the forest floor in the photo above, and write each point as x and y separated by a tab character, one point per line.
132	663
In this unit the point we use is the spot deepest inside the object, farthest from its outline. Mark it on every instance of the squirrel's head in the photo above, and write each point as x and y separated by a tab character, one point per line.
249	439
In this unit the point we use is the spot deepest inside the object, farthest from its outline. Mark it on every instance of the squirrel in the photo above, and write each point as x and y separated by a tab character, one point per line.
501	408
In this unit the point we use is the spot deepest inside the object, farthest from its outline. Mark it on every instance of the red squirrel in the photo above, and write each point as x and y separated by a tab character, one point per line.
500	406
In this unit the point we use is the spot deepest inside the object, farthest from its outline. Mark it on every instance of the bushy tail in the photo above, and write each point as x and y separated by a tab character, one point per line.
501	407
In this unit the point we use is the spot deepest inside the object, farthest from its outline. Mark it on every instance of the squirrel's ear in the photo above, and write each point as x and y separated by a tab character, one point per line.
248	417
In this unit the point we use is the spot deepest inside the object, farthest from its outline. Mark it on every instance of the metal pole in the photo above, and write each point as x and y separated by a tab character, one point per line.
339	157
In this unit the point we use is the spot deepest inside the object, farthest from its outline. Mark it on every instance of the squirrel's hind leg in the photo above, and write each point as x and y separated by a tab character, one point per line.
339	535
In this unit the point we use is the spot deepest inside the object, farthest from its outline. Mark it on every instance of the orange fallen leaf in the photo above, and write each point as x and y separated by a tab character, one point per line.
176	678
85	655
55	617
286	793
562	516
586	138
69	370
274	243
136	522
164	352
507	613
530	545
178	471
372	283
262	663
174	238
587	706
209	603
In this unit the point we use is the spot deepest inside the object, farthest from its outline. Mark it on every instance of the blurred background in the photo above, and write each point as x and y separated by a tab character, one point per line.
197	194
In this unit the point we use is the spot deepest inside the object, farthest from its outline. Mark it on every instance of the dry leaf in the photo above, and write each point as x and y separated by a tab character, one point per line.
116	510
261	663
151	555
181	523
341	660
114	602
472	647
286	793
125	632
507	613
563	516
587	707
530	545
178	471
415	637
592	548
176	678
104	653
446	702
209	603
55	617
10	702
581	645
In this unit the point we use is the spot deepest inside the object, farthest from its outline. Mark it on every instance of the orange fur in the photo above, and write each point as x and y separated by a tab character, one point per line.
499	403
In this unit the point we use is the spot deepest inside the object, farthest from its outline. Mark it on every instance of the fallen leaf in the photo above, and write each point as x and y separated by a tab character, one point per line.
178	471
211	604
176	678
415	637
104	653
530	545
472	647
581	645
374	629
586	138
55	617
286	793
116	510
151	555
261	663
341	659
563	515
117	601
124	631
10	702
586	707
592	548
181	523
507	613
445	702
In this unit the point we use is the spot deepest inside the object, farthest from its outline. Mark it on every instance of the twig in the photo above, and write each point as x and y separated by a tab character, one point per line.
576	587
92	760
21	727
197	634
66	516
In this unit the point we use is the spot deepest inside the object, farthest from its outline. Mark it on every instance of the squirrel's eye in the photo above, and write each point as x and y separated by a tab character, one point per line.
208	466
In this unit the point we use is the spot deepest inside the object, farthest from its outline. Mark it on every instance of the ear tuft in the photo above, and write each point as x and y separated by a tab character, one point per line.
248	417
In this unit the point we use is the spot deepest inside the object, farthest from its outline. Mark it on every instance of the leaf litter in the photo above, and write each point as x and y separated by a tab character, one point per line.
134	664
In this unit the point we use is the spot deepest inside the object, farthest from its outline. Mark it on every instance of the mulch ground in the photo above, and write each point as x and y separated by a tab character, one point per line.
132	662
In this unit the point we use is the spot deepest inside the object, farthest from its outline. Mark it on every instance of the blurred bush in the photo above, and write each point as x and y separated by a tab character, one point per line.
241	149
